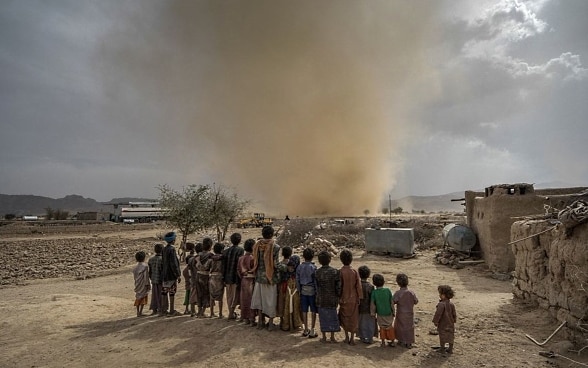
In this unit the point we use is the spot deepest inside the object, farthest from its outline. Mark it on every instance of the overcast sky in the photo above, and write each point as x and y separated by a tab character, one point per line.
302	106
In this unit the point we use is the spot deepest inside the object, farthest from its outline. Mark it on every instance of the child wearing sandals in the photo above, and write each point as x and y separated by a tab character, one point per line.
445	318
382	307
328	292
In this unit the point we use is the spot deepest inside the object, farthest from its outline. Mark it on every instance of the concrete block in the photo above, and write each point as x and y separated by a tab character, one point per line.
390	240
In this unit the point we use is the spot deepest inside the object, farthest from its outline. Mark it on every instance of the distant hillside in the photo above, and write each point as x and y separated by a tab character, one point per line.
21	205
440	203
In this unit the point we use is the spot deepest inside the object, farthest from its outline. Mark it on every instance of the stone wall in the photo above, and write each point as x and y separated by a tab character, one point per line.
551	270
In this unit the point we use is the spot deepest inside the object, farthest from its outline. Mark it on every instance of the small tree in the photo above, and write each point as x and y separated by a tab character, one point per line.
397	210
49	213
60	214
385	211
9	216
225	207
366	212
186	210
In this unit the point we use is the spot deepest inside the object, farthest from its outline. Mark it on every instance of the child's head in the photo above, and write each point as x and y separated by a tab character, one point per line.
170	237
235	238
324	258
286	252
308	254
190	247
218	248
402	280
346	257
364	272
140	256
248	246
446	290
206	244
293	263
378	280
158	248
198	248
267	232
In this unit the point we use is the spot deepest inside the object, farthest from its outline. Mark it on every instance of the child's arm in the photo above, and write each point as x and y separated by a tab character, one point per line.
438	313
373	310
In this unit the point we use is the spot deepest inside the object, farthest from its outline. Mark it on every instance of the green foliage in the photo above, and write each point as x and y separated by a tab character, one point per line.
225	207
9	216
397	210
385	211
49	213
198	207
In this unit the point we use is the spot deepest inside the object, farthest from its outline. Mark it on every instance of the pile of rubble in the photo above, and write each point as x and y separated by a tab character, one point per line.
319	245
454	259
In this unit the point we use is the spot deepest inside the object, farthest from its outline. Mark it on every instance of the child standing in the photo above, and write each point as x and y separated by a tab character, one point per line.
306	284
192	263
216	285
382	306
291	316
405	301
351	295
445	318
142	284
245	272
186	274
282	268
155	266
366	330
202	276
328	291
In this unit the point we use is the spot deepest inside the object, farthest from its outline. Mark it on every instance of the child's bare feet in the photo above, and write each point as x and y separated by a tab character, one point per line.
333	340
383	343
323	340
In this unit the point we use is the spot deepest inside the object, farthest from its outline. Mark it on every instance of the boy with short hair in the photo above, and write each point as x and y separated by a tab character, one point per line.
306	283
382	307
367	328
230	277
245	272
155	265
142	284
328	292
216	286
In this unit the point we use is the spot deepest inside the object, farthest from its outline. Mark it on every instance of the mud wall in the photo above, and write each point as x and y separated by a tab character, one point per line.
492	213
551	270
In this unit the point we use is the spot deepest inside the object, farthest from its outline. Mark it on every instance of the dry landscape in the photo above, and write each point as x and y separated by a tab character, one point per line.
67	301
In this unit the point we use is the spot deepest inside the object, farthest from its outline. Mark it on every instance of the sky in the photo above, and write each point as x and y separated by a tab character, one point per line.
303	107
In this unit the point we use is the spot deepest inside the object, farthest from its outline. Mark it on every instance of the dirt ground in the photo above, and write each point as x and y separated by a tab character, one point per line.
68	322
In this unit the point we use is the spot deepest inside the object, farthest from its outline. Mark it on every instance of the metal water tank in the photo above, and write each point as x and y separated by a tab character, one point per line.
459	237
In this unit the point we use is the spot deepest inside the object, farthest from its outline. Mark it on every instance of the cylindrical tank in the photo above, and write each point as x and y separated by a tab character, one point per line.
459	237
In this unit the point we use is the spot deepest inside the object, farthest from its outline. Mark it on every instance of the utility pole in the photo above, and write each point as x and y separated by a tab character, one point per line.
390	207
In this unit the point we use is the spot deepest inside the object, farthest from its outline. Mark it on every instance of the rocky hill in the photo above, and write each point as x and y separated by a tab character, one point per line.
21	205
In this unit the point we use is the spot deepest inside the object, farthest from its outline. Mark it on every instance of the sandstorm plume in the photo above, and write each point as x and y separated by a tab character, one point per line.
300	106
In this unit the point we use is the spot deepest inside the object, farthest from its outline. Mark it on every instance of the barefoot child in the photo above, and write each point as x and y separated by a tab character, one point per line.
245	272
405	301
328	291
367	327
351	295
203	261
382	307
186	274
306	284
216	285
445	318
142	284
155	266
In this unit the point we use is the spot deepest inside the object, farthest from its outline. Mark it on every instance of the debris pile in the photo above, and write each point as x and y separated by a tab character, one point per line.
454	259
319	245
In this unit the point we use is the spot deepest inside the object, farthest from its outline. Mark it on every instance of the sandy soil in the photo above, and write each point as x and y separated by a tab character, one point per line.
92	323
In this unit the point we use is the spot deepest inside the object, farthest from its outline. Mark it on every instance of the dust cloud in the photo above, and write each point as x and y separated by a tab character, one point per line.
301	106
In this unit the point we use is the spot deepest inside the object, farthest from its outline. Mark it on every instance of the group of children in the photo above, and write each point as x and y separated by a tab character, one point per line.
342	298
